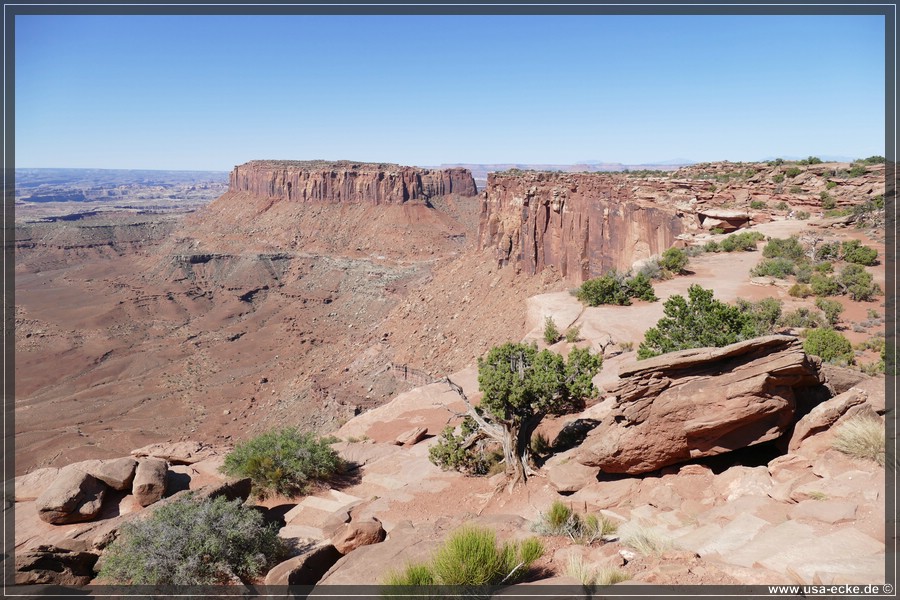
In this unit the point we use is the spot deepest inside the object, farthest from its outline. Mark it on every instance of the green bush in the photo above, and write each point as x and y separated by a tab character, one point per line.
562	520
858	283
764	315
674	260
757	204
823	285
857	170
640	287
573	334
696	322
853	251
828	344
284	461
802	318
804	273
551	331
831	308
830	185
827	201
789	248
793	171
608	289
452	453
717	231
471	557
801	215
872	160
774	267
745	241
711	246
800	290
784	205
190	542
810	160
824	267
778	178
828	251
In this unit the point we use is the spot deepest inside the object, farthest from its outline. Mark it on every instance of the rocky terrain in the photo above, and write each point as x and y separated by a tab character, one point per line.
335	297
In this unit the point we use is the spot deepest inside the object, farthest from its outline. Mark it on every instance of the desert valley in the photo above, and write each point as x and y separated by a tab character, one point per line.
359	301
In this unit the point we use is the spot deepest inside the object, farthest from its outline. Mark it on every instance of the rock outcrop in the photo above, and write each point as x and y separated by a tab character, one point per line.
702	402
150	481
580	224
348	182
74	496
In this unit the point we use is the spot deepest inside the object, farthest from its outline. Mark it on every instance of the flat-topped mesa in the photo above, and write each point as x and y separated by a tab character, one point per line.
582	224
348	182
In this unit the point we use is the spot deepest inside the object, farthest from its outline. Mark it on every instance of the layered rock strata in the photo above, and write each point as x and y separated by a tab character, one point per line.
348	182
581	224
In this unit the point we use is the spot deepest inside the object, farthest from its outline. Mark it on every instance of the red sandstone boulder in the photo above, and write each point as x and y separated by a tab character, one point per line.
74	496
149	481
358	533
701	402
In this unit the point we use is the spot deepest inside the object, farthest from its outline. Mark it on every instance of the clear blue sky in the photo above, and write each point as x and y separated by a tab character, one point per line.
206	92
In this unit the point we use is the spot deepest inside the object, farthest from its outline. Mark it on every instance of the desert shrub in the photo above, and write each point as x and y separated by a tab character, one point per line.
608	289
872	160
745	241
778	178
801	215
284	461
652	270
873	314
858	283
804	273
640	287
562	520
551	331
810	160
645	540
717	231
831	308
830	185
829	345
823	285
854	252
573	334
695	322
857	170
774	267
674	260
454	453
824	267
861	437
711	246
828	251
594	577
802	318
757	204
793	171
800	290
828	201
191	542
784	205
789	248
764	315
472	557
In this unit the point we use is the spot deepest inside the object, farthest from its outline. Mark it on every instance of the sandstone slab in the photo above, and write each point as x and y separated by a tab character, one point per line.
49	565
31	485
304	569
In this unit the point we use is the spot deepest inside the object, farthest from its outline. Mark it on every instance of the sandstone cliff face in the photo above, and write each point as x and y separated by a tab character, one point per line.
580	224
348	182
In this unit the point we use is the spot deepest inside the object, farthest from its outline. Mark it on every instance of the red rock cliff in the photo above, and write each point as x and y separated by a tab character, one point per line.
345	181
581	224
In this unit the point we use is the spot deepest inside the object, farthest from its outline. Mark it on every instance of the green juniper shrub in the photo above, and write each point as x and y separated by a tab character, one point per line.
784	205
802	318
857	170
698	321
573	334
780	268
824	267
745	241
823	285
831	308
829	345
858	283
711	246
640	287
789	248
284	461
608	289
193	542
830	185
778	178
804	273
793	171
800	290
764	315
717	231
827	201
853	251
674	260
551	331
453	453
828	251
872	160
757	204
810	160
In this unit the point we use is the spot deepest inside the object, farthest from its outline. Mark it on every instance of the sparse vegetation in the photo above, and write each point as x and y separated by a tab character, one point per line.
616	288
645	540
573	334
746	241
853	251
757	204
284	462
828	202
857	170
696	322
780	268
861	437
674	260
462	452
784	205
811	160
800	290
801	215
562	520
831	308
472	557
551	331
191	542
802	318
588	577
789	248
793	171
858	283
764	315
830	185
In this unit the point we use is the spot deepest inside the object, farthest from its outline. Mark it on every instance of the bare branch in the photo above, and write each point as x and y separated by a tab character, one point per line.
491	429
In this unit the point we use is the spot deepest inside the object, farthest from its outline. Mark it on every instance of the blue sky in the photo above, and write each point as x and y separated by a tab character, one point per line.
207	92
